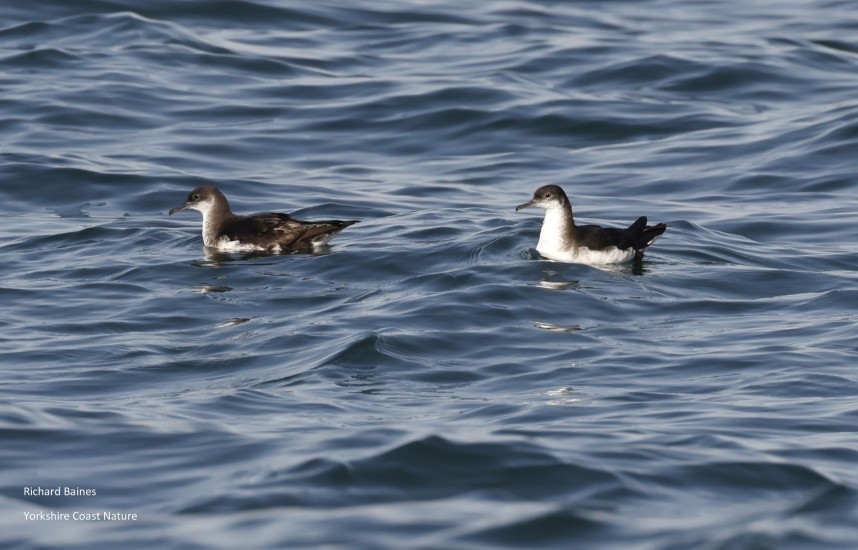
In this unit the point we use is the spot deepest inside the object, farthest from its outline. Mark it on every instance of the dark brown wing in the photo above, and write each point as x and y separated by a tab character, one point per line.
303	235
596	237
274	229
247	228
638	235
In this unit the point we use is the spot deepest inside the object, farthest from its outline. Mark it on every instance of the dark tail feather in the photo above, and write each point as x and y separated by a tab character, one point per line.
644	234
648	235
639	225
335	224
653	232
318	233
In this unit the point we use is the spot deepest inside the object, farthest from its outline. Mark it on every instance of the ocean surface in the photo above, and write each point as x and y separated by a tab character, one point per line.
428	381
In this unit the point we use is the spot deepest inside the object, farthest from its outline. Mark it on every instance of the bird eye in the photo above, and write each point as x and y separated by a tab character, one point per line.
195	196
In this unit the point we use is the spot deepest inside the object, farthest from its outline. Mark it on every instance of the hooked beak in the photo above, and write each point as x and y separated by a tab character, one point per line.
179	208
525	205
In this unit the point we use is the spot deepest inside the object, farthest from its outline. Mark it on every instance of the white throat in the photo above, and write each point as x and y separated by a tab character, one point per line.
553	237
209	231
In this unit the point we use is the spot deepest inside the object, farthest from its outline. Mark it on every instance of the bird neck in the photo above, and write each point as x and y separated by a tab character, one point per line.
209	229
557	228
559	217
215	215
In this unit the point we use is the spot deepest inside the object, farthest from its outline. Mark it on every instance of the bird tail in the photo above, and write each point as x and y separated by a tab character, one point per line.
652	232
639	225
318	233
646	234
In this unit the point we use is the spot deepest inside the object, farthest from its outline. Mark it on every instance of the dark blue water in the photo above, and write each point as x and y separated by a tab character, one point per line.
429	381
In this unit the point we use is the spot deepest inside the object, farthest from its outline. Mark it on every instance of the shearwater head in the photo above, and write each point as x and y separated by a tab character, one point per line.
549	197
204	199
214	207
558	225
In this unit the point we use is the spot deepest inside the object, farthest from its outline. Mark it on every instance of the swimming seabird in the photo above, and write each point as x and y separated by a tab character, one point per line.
268	231
560	239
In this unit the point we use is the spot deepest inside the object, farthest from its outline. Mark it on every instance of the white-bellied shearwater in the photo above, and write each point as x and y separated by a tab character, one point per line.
268	231
560	239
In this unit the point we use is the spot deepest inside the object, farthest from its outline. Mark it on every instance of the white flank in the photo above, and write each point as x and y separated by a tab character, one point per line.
583	255
224	244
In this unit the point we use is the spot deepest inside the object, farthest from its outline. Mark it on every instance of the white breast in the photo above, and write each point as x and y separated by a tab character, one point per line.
552	242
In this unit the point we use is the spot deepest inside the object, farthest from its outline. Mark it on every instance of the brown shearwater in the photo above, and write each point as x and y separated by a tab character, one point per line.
267	231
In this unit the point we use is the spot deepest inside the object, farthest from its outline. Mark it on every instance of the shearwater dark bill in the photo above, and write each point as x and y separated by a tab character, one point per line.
560	239
268	231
